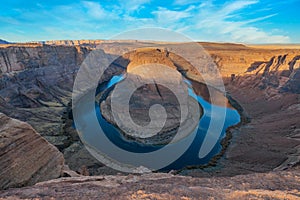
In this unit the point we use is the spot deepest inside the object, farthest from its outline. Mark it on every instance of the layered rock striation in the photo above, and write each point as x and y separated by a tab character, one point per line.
26	158
36	83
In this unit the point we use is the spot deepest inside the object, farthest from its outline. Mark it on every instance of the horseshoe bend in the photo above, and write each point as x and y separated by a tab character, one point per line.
149	94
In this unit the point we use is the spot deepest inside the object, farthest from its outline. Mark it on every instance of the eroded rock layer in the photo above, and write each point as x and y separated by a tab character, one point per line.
25	157
36	84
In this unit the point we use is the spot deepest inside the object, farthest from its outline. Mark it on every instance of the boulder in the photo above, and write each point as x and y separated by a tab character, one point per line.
26	158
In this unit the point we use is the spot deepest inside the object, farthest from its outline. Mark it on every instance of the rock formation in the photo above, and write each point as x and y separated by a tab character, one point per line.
280	73
36	85
165	87
26	158
74	42
281	185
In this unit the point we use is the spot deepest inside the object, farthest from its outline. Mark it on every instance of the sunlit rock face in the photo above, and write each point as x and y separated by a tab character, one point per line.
148	56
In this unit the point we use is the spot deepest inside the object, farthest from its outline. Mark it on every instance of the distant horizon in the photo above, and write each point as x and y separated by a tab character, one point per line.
198	41
230	21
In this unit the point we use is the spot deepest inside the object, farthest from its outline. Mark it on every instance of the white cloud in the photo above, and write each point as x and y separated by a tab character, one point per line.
185	2
204	21
217	23
235	6
94	9
207	21
133	5
164	15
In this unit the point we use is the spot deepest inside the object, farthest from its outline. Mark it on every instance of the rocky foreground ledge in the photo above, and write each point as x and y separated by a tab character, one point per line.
280	185
26	158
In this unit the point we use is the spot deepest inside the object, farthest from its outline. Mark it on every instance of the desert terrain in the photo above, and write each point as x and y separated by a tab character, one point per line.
42	155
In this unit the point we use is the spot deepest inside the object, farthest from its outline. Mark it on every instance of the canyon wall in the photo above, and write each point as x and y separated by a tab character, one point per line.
36	83
266	69
38	76
74	42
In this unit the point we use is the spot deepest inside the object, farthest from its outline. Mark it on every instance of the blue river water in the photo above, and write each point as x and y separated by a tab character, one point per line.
190	157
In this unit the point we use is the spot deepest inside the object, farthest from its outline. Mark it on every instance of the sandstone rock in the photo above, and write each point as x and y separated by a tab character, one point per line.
36	82
153	79
26	158
148	56
36	86
274	77
269	141
74	42
293	84
281	185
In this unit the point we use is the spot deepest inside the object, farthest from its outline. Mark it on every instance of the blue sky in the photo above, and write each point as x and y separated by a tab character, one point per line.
248	21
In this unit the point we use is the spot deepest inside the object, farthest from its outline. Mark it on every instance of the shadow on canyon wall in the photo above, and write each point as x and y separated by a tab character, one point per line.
36	84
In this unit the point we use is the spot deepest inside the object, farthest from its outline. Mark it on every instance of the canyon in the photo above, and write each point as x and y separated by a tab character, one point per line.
260	158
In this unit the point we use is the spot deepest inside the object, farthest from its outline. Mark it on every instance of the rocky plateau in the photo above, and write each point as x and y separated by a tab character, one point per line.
38	143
